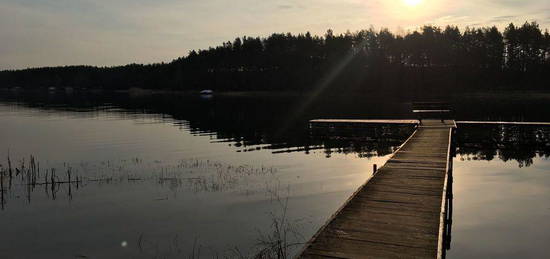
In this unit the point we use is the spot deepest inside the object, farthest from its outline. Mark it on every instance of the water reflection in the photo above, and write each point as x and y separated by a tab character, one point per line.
150	203
252	124
266	122
520	143
500	210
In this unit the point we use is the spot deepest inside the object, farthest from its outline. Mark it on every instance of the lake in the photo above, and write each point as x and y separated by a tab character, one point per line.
179	175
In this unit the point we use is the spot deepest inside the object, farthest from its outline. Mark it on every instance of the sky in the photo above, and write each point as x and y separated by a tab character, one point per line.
36	33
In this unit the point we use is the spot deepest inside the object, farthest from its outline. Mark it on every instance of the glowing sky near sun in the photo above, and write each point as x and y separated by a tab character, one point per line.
111	32
412	2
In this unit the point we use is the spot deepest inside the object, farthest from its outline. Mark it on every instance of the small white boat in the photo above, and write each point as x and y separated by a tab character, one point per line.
207	92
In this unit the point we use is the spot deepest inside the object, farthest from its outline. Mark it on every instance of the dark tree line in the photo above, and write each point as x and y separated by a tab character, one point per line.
431	59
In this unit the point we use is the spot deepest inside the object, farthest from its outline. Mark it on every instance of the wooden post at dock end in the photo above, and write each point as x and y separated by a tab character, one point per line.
374	169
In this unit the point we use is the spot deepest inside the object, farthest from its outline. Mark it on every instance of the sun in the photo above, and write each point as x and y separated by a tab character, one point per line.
412	2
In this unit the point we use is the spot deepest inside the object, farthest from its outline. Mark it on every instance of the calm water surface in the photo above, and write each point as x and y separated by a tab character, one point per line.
180	176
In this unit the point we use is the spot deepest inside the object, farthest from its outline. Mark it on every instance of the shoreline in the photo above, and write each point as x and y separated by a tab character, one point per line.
515	94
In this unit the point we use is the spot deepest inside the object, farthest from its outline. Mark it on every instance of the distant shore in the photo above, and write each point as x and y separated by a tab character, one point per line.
483	94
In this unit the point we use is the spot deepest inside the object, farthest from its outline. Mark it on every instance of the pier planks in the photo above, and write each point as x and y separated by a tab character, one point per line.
397	213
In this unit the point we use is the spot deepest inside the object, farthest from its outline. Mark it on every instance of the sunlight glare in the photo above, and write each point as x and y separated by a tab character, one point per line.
412	2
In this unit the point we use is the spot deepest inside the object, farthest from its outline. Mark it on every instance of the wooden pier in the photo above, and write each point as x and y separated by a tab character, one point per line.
356	122
349	121
400	211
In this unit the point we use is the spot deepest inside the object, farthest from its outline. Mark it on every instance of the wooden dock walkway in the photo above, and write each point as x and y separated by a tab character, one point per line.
354	122
399	212
357	121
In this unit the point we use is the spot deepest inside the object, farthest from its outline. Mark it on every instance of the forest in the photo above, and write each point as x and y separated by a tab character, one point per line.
367	61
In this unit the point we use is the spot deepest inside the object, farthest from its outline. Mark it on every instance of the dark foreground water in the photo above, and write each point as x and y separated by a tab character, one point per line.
172	176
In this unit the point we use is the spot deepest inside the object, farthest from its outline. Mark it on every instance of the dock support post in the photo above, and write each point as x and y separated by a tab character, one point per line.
374	169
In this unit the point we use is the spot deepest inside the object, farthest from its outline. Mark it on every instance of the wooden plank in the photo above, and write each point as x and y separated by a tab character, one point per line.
428	111
505	123
344	121
397	212
364	121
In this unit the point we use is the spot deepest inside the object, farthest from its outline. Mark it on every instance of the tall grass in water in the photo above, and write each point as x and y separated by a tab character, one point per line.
275	243
281	239
2	187
193	174
29	174
284	234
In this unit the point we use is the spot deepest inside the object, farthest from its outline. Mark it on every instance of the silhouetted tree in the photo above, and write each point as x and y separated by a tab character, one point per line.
428	60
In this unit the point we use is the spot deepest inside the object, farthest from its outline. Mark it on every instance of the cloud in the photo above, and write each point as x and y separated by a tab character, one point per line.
285	6
503	18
